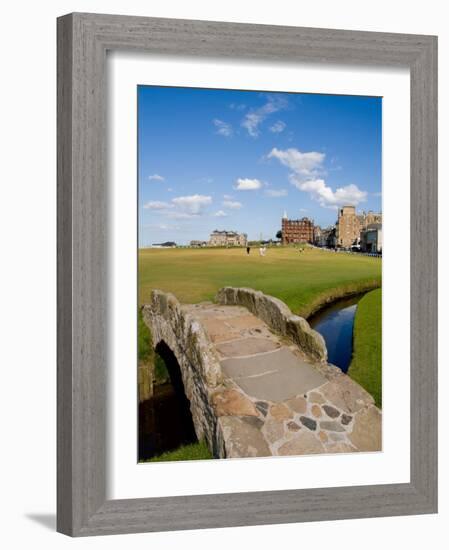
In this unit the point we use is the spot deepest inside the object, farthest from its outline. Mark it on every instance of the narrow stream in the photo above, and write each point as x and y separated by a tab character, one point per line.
335	323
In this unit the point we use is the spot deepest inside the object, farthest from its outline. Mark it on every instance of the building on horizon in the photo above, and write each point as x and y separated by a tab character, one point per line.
297	231
371	238
198	244
325	237
317	236
167	244
331	237
227	238
350	225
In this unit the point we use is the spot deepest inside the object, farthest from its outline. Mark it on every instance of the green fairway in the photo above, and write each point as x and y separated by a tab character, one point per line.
302	280
366	365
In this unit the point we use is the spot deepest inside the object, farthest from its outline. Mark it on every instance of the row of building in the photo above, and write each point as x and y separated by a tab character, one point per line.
351	230
223	238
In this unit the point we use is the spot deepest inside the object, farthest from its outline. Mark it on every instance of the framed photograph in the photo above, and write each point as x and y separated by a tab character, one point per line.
247	274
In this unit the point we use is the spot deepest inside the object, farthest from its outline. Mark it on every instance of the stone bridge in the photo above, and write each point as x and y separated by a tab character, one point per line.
257	378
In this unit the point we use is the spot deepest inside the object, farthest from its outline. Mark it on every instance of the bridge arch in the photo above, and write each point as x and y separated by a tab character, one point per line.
275	372
193	365
165	419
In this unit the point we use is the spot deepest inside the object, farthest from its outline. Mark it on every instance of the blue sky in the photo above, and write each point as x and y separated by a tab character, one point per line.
225	159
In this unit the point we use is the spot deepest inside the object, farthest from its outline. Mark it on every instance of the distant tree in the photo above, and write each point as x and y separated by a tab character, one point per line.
279	234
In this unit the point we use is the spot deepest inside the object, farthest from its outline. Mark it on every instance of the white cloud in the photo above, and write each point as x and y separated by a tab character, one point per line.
246	184
326	197
161	226
304	164
305	176
220	214
228	197
223	128
251	123
181	208
156	177
177	215
237	106
276	192
234	205
278	127
255	117
157	205
192	204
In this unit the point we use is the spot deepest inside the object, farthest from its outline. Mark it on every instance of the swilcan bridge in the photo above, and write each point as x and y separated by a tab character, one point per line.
257	378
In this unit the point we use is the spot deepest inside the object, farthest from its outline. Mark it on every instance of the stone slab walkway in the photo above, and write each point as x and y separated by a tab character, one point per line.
273	376
275	400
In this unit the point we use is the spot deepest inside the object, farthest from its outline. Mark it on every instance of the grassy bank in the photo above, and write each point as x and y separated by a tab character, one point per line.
147	355
144	343
366	364
304	281
195	451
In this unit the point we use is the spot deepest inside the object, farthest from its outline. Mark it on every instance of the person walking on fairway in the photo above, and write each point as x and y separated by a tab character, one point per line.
248	249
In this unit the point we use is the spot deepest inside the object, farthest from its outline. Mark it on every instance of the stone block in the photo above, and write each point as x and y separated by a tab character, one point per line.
315	397
297	404
346	394
280	412
340	448
232	402
304	443
367	430
273	430
331	426
332	412
241	439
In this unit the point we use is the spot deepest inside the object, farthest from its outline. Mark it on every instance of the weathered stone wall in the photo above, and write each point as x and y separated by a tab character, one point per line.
199	364
278	316
145	377
330	413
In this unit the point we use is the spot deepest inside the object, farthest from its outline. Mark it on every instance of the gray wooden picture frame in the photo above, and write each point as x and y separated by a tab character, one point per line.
83	40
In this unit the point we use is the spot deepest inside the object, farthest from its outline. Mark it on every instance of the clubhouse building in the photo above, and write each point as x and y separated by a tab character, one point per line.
227	238
297	231
363	231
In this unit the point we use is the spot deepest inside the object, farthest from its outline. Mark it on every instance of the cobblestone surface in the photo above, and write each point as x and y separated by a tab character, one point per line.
330	414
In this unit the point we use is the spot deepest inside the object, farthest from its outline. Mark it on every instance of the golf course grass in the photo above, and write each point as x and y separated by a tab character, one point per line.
304	281
194	451
366	364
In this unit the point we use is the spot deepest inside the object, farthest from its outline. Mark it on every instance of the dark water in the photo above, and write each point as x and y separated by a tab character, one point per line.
336	323
165	421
